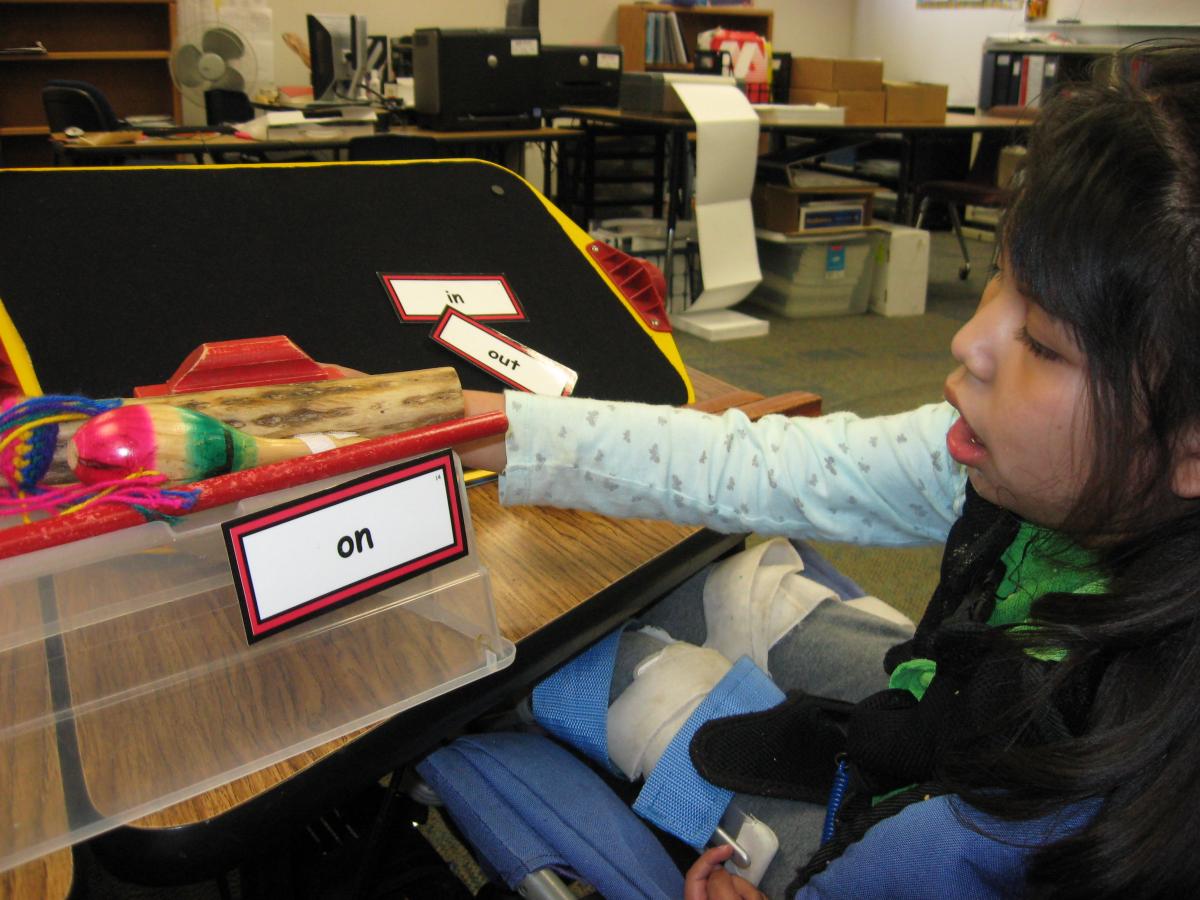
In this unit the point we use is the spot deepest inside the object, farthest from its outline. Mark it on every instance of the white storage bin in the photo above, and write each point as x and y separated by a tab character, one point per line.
822	275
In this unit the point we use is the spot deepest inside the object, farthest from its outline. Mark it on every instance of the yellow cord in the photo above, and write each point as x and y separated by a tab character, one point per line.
49	420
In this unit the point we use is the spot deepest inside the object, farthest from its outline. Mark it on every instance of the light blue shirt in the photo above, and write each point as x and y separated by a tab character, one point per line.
885	481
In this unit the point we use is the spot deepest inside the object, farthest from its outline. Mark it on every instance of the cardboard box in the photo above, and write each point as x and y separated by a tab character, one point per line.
915	101
786	210
862	107
901	278
828	74
1009	158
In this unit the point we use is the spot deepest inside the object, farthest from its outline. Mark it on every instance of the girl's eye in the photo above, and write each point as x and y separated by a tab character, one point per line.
1035	347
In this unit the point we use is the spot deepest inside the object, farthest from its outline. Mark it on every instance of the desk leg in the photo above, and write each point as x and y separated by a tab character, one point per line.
904	189
675	200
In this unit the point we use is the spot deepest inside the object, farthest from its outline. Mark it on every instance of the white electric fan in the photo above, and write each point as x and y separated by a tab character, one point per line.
213	56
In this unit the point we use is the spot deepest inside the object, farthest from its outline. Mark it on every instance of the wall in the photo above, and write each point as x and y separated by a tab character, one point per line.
945	45
801	26
1122	12
938	44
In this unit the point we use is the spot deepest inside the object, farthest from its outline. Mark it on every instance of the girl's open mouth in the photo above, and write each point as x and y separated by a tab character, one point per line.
964	445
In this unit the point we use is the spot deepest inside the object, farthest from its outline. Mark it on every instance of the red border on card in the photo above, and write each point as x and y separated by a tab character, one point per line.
237	530
518	316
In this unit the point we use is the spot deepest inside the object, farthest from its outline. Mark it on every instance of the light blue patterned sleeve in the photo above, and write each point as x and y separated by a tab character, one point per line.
882	481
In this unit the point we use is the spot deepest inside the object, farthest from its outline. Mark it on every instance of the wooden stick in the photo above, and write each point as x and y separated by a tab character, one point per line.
370	406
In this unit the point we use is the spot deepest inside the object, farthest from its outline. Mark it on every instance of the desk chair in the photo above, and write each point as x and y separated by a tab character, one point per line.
79	104
393	146
82	105
979	189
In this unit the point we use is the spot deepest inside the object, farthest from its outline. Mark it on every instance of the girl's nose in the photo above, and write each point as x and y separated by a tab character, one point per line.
974	346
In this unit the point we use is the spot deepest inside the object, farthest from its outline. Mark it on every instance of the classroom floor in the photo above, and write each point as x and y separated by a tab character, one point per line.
866	363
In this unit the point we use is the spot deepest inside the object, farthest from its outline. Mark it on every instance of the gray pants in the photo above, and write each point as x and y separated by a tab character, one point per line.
836	651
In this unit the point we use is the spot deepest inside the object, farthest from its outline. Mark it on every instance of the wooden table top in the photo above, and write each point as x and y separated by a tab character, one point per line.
112	143
953	122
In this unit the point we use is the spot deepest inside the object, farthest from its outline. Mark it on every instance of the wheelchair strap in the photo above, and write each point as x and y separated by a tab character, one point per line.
675	797
572	703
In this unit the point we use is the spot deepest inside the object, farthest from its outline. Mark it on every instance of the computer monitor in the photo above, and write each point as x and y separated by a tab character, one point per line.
337	45
521	13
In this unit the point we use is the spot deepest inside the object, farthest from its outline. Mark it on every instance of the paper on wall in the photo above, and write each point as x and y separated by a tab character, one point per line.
726	159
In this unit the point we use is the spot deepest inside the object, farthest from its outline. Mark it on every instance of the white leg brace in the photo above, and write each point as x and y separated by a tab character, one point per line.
666	690
753	599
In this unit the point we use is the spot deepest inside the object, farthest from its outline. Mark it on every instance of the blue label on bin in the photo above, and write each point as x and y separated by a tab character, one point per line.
835	261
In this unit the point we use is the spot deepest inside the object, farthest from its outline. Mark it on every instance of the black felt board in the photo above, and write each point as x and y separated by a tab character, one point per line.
113	276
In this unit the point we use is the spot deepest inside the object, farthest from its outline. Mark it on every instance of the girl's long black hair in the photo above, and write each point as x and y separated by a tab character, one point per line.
1103	231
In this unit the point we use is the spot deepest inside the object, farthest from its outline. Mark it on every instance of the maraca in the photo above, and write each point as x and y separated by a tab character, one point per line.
180	443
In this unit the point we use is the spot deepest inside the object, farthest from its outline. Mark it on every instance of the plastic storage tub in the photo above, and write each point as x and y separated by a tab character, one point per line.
822	275
125	657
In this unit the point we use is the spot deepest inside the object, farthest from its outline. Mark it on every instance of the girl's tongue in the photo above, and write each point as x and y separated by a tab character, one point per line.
964	445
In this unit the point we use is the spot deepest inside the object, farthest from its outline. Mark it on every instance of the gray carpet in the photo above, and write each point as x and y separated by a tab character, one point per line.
864	363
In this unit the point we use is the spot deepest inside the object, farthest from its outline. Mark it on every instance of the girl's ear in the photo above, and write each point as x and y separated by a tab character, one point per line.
1185	479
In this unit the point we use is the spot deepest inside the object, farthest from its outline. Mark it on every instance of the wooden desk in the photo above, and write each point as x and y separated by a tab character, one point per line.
46	878
202	144
560	580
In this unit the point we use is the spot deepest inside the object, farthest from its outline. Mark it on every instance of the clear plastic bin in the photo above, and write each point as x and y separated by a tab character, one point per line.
127	683
821	275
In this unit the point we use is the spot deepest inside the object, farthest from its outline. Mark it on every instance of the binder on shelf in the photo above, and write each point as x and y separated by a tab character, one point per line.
1032	78
679	51
1014	82
1002	67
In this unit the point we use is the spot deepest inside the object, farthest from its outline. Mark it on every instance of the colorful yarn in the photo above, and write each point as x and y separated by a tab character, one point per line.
28	434
29	431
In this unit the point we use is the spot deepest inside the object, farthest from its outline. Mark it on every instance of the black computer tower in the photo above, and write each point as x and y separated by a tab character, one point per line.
580	76
468	79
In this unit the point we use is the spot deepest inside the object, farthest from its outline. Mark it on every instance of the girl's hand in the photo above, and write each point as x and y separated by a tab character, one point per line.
486	453
708	880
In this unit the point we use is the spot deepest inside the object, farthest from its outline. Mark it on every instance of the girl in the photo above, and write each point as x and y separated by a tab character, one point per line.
1044	713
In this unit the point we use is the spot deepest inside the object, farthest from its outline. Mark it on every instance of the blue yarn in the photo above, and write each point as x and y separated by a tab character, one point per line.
836	795
43	438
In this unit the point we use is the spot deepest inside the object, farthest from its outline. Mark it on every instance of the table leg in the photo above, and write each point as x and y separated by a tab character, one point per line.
675	198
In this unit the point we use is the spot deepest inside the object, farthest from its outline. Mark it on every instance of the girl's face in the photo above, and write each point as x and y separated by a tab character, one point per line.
1024	435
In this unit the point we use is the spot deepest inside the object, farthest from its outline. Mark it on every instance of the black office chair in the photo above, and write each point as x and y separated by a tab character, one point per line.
979	189
393	146
80	105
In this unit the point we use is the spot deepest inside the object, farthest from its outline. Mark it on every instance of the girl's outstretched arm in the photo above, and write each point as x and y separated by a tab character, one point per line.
708	880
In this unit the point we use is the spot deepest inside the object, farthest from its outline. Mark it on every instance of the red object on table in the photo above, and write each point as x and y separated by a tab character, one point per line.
242	363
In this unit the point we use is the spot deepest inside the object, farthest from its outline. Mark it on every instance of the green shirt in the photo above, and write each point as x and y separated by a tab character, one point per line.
1037	562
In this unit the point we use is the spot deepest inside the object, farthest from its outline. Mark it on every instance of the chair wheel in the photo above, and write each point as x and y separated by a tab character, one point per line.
963	271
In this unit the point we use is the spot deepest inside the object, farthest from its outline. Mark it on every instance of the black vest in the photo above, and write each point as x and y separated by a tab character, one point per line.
891	740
